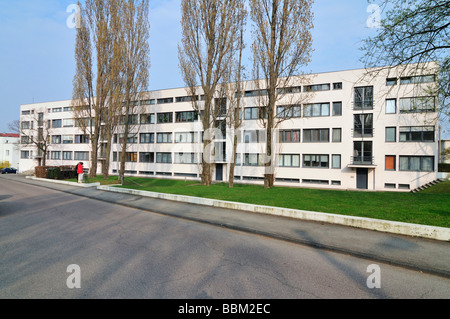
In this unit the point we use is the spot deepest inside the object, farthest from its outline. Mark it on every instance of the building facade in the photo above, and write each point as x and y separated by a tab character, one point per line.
9	149
347	130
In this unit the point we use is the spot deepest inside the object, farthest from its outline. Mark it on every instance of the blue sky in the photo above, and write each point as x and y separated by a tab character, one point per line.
37	61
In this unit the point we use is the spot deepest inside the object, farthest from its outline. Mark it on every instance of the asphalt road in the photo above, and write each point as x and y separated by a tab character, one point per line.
124	252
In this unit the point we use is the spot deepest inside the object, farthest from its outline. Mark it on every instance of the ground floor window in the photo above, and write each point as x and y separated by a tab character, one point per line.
417	163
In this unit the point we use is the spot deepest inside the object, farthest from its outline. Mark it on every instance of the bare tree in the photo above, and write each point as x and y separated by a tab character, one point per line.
37	132
282	46
210	29
83	102
235	90
135	65
97	90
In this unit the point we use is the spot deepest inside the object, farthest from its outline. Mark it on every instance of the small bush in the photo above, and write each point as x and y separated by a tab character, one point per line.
444	168
54	173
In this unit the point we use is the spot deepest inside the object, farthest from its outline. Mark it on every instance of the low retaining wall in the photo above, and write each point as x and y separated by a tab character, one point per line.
424	231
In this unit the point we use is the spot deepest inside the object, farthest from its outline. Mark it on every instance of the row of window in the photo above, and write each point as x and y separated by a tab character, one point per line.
411	80
59	155
255	136
411	134
363	100
284	160
410	163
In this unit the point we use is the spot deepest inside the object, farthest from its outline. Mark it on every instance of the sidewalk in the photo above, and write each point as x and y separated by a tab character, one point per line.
427	255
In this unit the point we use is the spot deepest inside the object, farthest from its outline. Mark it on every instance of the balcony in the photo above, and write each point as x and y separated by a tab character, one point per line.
363	132
367	161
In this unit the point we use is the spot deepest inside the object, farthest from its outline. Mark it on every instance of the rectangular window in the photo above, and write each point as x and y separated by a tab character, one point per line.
253	159
418	79
82	139
390	162
148	118
290	136
337	86
67	122
317	87
316	161
254	113
146	157
363	99
363	125
146	138
336	161
337	135
416	163
164	138
67	156
67	139
289	160
25	125
25	154
165	100
362	153
316	135
56	139
185	158
189	116
337	108
164	158
148	102
254	136
186	137
416	133
131	157
56	109
165	118
289	111
81	156
55	155
391	81
417	105
56	123
391	134
316	110
391	106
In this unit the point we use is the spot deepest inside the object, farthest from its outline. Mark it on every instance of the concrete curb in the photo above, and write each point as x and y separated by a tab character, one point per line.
414	230
63	182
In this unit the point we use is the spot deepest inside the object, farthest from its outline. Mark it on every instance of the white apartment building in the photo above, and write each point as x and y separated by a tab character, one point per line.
9	149
348	130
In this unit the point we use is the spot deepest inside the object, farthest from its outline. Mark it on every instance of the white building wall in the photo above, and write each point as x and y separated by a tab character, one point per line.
9	150
344	177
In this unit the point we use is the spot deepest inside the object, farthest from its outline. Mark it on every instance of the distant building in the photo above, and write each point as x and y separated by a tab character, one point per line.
10	149
355	132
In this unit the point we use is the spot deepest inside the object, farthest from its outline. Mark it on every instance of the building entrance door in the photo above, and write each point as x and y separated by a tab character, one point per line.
219	172
362	176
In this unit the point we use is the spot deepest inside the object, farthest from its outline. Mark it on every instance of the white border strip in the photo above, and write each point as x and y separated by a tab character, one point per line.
63	182
415	230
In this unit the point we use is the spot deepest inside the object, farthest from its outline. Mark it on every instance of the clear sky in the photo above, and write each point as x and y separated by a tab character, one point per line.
37	54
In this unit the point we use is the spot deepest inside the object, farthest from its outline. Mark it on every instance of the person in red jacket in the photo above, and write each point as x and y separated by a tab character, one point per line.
80	172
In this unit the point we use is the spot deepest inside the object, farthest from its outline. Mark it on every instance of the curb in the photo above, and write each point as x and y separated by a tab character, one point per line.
414	230
63	182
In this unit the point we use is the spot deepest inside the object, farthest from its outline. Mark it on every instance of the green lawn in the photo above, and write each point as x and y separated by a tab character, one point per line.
430	207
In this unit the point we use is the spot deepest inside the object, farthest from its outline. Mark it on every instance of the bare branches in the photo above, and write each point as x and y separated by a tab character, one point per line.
281	47
210	35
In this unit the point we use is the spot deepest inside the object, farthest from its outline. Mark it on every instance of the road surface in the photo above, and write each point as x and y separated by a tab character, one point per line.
123	252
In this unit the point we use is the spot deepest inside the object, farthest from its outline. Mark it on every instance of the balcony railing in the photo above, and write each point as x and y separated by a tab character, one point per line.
363	132
362	160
